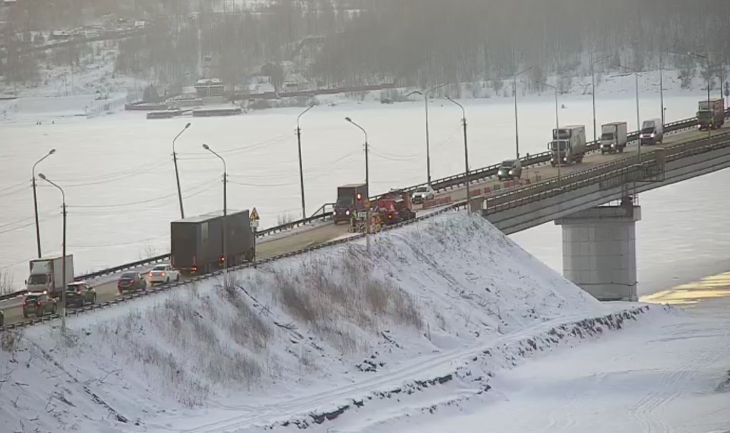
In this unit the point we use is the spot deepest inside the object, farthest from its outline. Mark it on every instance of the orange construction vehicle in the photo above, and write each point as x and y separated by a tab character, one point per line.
394	207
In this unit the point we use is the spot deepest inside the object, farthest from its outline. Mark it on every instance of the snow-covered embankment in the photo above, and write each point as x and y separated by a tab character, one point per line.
442	303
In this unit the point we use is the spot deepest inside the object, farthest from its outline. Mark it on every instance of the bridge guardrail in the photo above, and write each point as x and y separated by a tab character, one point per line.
166	287
438	185
593	171
630	173
644	168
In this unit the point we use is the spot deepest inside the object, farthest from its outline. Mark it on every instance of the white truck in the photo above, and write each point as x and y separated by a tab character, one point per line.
46	274
613	137
568	145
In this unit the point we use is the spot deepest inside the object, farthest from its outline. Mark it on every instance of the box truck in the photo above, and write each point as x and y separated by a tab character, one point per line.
568	145
46	274
613	137
711	114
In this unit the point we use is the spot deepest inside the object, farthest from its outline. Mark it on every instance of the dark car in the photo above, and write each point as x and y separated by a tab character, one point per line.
38	304
131	282
2	318
79	294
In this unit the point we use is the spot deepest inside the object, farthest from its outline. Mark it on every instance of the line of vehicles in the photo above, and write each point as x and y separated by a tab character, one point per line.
197	243
393	207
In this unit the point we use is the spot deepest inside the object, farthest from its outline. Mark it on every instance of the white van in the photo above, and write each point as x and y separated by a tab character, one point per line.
652	132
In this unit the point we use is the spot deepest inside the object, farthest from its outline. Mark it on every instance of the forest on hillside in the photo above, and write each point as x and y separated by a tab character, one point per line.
416	42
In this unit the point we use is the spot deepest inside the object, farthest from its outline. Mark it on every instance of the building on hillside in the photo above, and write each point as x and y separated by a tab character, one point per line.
294	82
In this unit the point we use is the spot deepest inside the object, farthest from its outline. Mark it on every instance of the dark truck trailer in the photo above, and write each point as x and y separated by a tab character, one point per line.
348	203
196	243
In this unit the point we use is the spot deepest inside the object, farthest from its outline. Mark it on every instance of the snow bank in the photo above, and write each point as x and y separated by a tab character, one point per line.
299	335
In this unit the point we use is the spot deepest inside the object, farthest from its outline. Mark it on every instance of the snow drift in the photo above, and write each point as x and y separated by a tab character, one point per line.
293	337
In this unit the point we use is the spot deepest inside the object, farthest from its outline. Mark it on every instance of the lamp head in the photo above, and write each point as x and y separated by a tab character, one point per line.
206	147
52	151
187	126
42	176
348	119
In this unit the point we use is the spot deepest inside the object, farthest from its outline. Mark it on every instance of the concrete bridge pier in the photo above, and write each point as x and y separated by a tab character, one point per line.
599	250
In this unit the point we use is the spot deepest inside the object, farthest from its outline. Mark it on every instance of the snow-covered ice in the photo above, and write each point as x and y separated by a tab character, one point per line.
300	335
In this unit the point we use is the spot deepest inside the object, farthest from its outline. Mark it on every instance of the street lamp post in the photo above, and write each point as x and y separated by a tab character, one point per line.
517	129
301	170
638	116
225	212
466	156
557	126
593	92
35	203
367	184
177	174
63	255
661	85
425	95
707	60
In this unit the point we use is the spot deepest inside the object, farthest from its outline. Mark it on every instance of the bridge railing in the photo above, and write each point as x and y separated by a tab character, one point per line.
439	185
633	172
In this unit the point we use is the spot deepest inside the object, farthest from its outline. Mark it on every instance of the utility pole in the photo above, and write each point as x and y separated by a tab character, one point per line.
177	174
35	204
301	170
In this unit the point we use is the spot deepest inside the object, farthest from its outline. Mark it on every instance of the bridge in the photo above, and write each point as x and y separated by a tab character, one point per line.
599	251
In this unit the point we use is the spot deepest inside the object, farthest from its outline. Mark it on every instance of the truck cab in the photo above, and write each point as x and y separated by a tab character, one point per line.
350	200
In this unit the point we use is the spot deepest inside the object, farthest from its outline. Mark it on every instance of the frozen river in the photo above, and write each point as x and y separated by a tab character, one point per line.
120	185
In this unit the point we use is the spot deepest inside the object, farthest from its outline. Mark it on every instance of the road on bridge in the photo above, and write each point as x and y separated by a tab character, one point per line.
297	239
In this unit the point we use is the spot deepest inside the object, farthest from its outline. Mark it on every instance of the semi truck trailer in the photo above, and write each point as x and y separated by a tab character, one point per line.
196	243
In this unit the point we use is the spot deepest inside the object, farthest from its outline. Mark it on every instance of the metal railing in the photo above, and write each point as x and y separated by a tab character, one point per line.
631	172
442	184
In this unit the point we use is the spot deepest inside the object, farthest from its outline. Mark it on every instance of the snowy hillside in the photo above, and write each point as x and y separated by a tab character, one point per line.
301	338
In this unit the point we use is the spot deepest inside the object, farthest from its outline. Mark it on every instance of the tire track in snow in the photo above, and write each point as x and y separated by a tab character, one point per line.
304	404
648	410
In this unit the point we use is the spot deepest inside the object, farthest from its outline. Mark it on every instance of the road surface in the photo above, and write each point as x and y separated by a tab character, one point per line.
320	233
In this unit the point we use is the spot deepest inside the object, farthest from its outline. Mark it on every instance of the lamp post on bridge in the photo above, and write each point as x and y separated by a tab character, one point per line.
593	93
709	107
517	129
426	95
177	174
225	212
557	126
466	155
301	170
638	116
35	203
367	183
63	255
